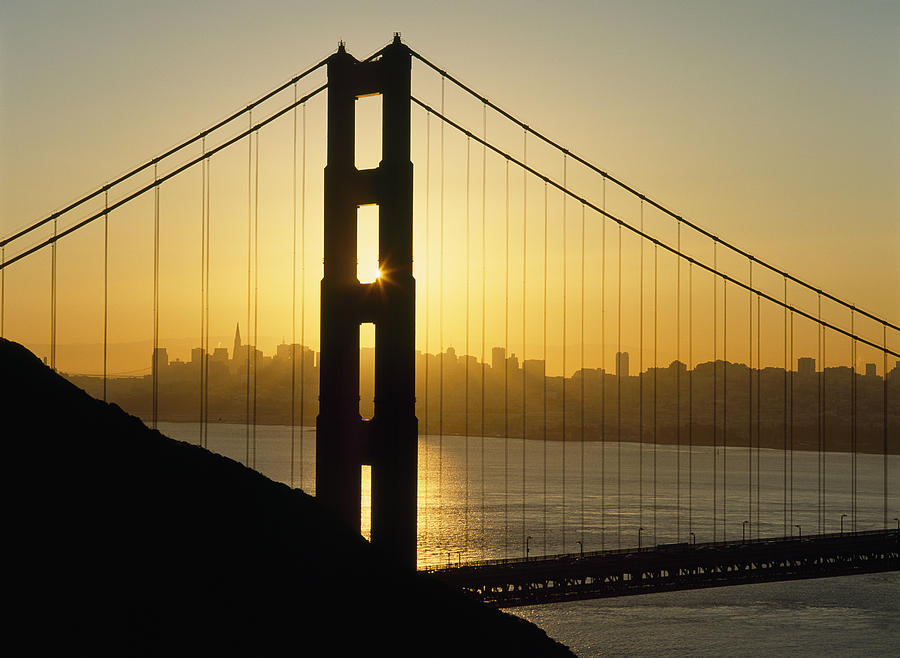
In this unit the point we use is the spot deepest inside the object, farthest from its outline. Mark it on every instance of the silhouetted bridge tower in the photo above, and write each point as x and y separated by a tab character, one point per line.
388	441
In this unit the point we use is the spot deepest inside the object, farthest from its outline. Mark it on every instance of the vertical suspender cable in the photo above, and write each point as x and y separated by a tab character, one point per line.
155	300
715	401
678	389
565	248
758	414
884	426
53	307
441	332
105	288
203	355
603	434
506	363
302	287
293	282
249	281
619	363
791	374
483	309
255	283
784	448
544	374
524	351
724	408
581	422
655	369
205	285
853	420
820	420
690	505
750	372
468	278
427	305
2	291
750	401
641	383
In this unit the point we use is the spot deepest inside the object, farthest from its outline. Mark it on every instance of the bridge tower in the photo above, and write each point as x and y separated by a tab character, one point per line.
388	442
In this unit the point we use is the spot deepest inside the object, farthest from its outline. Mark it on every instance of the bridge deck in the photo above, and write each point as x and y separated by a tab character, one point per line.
508	583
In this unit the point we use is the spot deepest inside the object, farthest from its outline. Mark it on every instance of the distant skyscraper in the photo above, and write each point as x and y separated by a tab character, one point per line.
806	365
870	370
160	359
498	358
622	364
237	341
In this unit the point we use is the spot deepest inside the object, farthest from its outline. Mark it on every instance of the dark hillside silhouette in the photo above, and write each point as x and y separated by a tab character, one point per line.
122	541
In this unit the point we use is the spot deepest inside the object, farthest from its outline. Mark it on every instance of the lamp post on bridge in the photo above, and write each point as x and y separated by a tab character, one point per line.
580	549
898	522
799	531
744	530
527	547
842	523
640	530
693	537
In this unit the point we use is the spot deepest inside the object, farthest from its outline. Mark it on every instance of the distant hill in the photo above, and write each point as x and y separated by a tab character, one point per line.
122	541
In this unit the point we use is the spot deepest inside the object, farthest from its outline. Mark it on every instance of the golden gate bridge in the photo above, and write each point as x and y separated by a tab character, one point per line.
545	466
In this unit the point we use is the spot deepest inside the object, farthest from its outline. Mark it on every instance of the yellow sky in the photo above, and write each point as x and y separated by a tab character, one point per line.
774	126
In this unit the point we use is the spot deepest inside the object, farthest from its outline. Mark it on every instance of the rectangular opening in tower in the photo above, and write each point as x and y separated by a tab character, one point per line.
365	501
368	132
367	243
366	370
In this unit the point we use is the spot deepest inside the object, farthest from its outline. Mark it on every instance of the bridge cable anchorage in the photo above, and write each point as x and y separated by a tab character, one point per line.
158	180
669	248
640	195
163	156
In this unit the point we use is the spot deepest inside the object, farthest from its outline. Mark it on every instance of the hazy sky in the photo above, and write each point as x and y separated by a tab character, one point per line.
773	124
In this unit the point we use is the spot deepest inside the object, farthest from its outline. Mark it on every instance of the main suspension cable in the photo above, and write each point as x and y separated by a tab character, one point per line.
711	269
639	195
172	151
